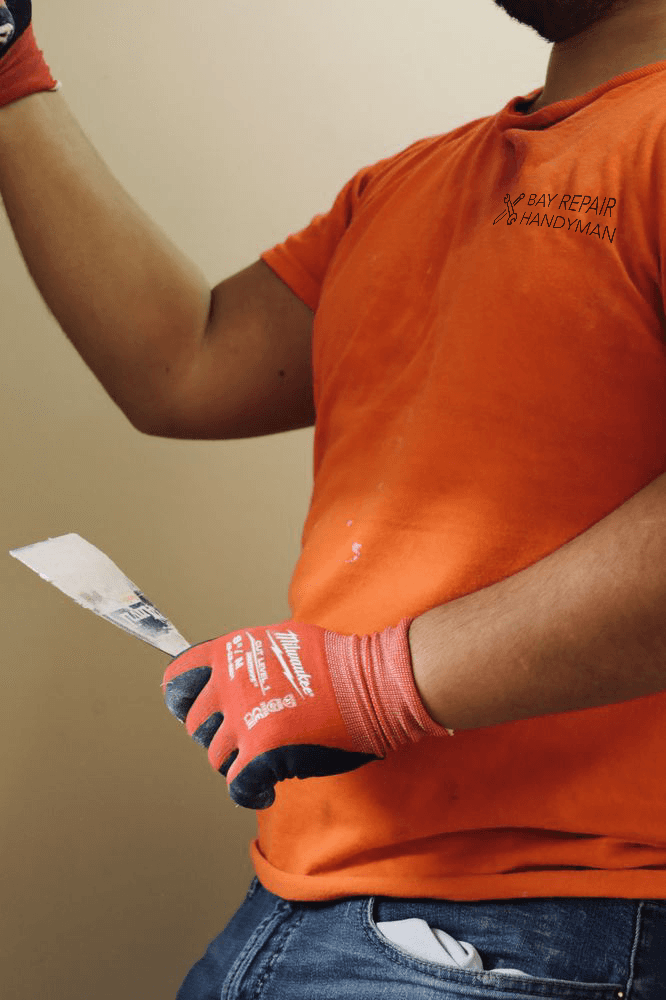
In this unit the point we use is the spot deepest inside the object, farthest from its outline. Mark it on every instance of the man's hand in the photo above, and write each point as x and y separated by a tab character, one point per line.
296	701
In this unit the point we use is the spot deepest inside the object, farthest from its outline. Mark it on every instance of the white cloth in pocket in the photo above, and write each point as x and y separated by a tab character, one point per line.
434	945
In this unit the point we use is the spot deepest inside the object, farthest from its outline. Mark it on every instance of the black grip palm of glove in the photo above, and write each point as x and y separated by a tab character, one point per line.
15	16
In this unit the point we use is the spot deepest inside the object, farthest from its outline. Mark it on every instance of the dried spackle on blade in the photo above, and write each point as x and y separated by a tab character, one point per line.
88	576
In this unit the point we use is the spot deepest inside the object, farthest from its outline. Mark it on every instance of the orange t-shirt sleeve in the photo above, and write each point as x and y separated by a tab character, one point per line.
303	259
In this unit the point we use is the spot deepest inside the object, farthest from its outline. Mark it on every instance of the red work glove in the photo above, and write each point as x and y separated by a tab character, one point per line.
296	701
23	70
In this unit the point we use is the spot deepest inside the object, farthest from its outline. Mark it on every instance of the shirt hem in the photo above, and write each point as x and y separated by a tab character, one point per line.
634	883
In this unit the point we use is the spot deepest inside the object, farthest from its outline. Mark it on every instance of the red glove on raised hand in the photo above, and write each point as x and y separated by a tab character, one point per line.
23	70
296	701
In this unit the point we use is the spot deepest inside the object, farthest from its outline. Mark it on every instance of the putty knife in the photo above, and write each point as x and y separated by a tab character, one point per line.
88	576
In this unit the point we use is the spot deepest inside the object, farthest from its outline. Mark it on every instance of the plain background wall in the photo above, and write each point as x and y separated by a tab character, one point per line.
232	123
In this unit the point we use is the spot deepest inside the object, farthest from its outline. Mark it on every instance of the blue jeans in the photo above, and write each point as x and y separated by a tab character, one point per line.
567	949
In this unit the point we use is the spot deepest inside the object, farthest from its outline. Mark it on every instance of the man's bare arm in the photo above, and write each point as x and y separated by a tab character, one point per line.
582	628
180	359
133	305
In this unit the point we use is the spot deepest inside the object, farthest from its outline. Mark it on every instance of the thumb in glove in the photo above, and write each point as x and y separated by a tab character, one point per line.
15	16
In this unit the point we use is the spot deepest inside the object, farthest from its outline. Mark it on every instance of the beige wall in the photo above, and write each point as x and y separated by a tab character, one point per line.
121	854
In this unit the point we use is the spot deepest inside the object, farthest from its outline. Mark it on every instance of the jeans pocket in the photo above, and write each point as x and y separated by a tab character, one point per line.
432	944
436	952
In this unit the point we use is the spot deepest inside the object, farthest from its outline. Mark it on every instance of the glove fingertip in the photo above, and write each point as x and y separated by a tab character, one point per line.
226	766
251	800
253	785
181	692
207	730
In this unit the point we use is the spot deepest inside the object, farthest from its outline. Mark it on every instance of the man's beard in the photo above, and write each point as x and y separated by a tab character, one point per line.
560	20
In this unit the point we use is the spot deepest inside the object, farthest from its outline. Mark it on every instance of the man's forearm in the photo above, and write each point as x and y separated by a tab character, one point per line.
582	628
132	304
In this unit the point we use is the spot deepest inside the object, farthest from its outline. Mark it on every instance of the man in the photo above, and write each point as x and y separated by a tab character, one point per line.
471	686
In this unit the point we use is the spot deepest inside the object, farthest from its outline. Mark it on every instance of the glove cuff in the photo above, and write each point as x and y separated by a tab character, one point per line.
23	70
374	686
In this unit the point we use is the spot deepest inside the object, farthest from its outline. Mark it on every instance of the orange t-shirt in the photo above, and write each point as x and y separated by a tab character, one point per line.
490	381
